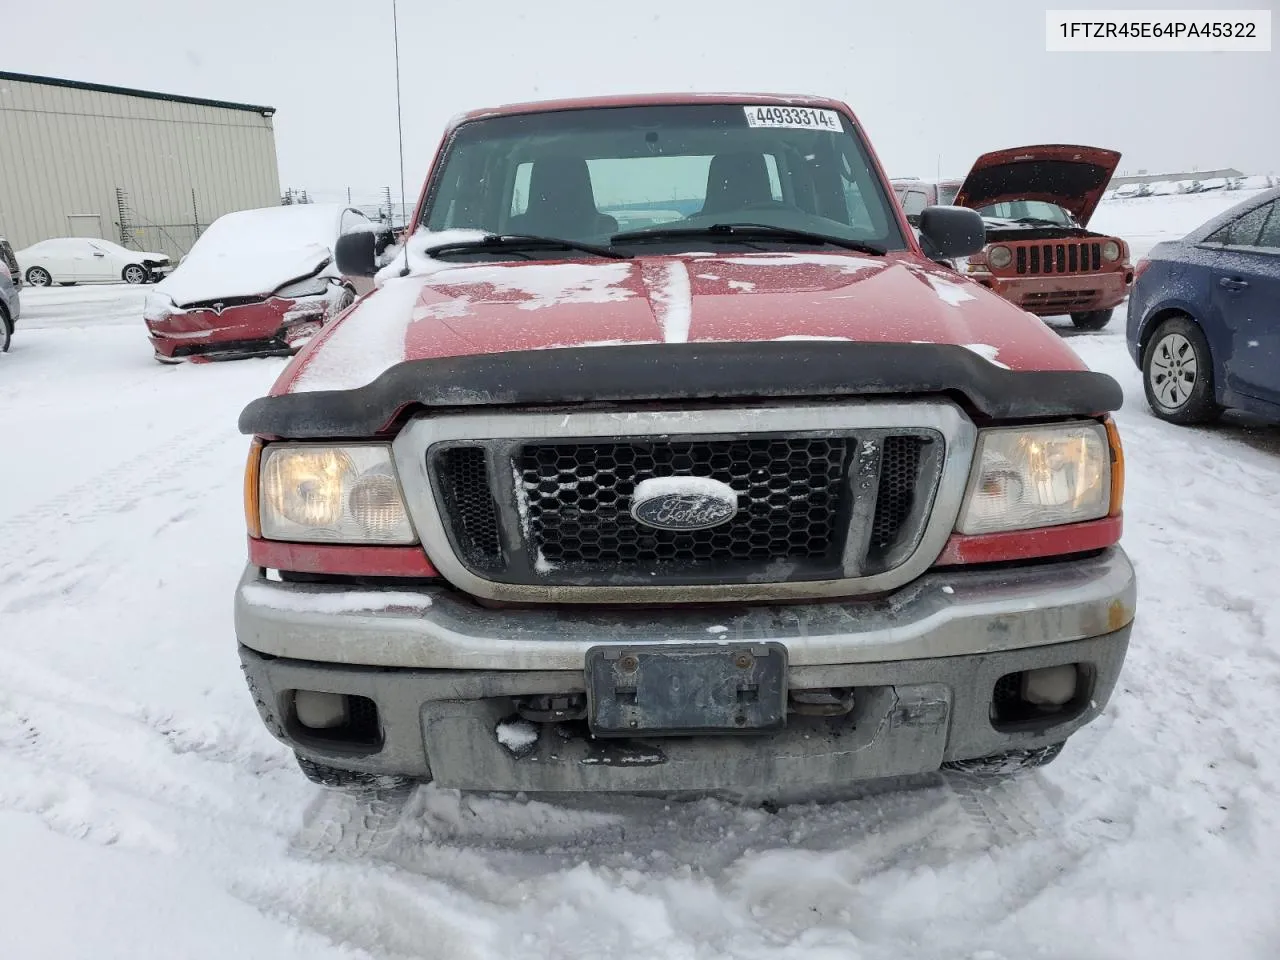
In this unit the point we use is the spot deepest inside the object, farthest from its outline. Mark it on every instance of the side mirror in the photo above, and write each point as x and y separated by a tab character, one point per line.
356	254
947	232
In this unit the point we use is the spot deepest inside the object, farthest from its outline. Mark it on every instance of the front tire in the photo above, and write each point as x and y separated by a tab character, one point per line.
1091	320
1177	373
6	330
39	277
134	273
335	779
1001	766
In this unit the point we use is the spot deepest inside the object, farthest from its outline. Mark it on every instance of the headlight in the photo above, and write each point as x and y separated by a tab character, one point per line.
999	257
1111	251
157	307
1026	477
346	494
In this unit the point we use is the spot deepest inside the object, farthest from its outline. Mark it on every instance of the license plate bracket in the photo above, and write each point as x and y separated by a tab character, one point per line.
675	690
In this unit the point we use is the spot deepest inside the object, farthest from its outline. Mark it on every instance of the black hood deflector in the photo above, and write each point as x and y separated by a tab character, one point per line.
681	372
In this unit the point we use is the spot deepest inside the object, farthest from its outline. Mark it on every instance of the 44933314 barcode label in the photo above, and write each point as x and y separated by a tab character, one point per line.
795	118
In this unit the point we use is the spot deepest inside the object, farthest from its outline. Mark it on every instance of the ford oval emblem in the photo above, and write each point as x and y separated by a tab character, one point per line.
683	503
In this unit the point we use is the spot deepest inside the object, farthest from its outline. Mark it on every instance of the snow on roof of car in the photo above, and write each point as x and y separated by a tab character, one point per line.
255	252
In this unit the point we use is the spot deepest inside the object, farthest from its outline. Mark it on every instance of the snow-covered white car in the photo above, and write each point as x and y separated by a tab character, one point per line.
69	260
256	283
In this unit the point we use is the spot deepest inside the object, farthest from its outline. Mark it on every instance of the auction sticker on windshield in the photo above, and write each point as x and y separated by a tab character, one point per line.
795	118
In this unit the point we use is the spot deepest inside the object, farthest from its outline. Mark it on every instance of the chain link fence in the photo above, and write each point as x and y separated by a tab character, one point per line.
174	239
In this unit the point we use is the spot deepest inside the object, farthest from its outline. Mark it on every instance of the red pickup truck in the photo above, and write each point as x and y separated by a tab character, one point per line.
665	458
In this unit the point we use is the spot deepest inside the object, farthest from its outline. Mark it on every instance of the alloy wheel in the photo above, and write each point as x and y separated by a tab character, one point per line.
1174	369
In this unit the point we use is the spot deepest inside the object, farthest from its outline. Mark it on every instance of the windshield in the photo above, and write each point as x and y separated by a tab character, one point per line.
588	174
947	193
1028	210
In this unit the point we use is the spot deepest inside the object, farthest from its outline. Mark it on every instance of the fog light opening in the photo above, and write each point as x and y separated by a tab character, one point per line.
335	719
1039	697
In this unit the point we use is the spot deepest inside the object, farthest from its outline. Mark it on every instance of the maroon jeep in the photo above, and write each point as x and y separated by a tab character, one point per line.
1036	203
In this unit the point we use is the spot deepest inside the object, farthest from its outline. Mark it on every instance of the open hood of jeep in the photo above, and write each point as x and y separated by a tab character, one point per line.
1073	177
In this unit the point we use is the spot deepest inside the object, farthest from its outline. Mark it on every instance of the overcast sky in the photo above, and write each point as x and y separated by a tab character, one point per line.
927	78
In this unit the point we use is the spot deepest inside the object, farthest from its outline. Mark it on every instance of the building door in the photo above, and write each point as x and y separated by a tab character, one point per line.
84	225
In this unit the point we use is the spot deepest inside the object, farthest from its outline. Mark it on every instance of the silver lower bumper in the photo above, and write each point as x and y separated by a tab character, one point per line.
938	615
923	665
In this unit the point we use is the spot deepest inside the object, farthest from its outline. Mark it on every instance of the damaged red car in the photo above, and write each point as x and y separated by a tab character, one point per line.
256	283
1036	203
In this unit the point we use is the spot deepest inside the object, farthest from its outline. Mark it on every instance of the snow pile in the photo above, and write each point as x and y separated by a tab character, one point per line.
680	487
1164	188
518	736
328	601
254	252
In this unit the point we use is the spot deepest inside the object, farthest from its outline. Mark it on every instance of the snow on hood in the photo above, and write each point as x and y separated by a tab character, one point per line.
252	253
1072	177
489	308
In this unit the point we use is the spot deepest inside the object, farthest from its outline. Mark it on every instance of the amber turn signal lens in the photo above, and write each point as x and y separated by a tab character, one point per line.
252	514
1117	467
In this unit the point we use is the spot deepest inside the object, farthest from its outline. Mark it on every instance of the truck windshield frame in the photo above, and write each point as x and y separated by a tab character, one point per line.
612	170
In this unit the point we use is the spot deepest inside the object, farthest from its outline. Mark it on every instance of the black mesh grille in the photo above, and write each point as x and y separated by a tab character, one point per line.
899	471
559	512
789	499
469	500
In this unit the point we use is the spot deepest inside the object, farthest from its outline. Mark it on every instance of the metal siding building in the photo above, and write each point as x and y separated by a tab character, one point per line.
148	170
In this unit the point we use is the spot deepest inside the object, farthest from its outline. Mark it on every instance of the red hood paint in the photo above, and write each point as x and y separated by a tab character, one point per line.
496	308
1073	177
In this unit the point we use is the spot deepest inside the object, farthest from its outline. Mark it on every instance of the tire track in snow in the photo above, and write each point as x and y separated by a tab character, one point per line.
62	549
68	739
776	876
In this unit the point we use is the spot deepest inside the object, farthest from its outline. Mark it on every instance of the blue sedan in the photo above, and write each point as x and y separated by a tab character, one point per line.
1204	317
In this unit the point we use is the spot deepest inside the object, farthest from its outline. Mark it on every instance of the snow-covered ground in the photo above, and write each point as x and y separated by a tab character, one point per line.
145	812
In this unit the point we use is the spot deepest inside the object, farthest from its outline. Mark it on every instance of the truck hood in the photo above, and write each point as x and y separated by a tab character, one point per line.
507	307
1072	177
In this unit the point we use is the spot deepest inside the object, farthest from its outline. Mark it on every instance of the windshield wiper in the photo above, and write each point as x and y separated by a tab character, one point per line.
1048	223
745	231
515	242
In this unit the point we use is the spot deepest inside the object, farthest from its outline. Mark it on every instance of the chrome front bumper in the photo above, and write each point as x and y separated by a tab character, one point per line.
924	662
